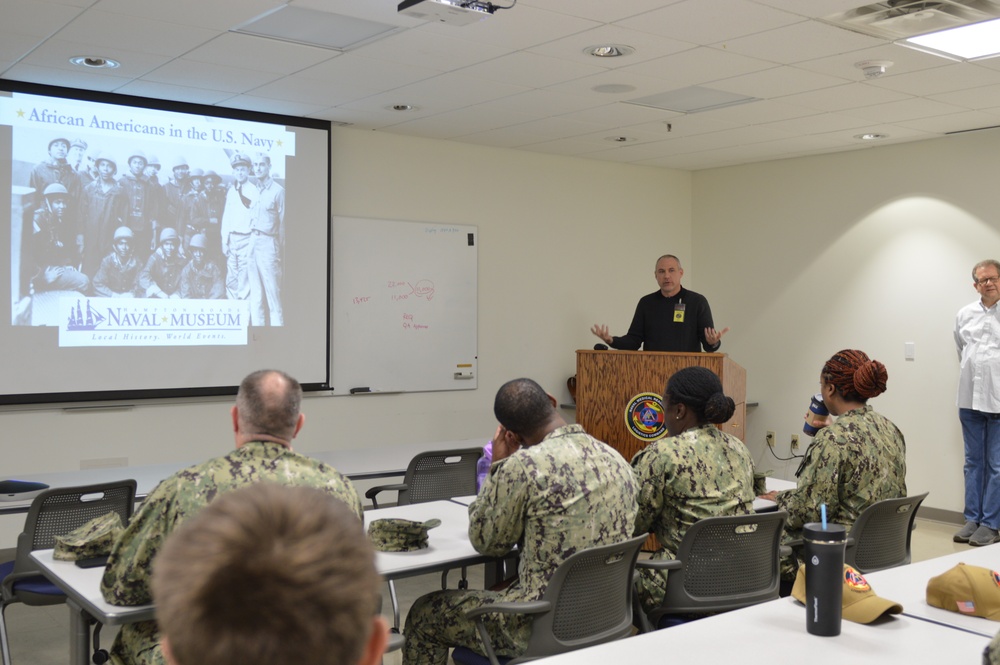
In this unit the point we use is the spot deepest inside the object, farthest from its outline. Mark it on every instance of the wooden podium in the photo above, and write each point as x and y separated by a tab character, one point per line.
606	381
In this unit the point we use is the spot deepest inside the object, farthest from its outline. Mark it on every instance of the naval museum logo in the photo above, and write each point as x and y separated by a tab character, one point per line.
151	322
644	417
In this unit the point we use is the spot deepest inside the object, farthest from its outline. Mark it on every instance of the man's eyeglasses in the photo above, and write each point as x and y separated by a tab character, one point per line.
987	280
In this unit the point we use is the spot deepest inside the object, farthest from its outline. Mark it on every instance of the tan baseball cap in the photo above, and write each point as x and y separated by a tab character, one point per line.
860	604
971	590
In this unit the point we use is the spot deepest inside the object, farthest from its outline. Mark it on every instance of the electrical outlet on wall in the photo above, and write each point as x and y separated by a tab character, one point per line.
769	437
795	442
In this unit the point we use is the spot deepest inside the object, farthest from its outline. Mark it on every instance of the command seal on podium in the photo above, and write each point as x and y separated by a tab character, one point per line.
644	417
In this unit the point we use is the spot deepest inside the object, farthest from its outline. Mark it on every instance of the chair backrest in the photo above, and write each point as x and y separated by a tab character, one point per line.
58	511
727	563
591	596
440	474
881	534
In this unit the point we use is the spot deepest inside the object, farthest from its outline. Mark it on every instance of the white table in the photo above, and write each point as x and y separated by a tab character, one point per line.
83	593
448	545
357	464
775	633
907	585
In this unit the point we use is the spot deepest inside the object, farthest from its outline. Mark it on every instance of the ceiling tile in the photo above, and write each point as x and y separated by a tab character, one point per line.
251	52
698	66
908	109
37	19
802	41
179	93
710	21
57	52
209	76
137	34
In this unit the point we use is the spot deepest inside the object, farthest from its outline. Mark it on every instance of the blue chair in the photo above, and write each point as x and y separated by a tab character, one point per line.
55	512
588	601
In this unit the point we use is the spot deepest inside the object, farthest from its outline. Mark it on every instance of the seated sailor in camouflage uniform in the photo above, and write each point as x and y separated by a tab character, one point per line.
697	471
552	490
266	418
852	463
270	574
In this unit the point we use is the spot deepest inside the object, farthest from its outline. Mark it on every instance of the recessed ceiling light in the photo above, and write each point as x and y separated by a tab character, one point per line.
94	62
402	107
871	137
609	50
968	42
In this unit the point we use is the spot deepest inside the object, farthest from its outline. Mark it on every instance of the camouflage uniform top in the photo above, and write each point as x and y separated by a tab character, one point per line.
992	654
568	492
702	472
126	579
851	464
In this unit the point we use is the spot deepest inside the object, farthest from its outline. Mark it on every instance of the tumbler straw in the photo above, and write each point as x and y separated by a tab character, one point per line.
822	512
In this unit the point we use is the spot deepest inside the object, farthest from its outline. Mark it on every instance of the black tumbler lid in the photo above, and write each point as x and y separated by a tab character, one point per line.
833	533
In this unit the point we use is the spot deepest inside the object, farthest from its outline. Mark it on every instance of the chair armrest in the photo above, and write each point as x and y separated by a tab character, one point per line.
526	607
660	564
374	491
851	542
784	550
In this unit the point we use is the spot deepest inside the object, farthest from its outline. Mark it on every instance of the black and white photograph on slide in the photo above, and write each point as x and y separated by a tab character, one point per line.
131	211
147	256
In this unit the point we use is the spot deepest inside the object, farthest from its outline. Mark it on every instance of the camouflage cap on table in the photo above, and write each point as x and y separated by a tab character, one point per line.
92	539
399	535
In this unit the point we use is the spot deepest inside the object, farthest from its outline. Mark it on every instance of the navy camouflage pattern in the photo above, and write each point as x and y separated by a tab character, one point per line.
568	492
702	472
92	539
126	579
851	464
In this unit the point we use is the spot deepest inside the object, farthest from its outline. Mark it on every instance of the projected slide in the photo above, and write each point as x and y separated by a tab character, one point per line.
135	226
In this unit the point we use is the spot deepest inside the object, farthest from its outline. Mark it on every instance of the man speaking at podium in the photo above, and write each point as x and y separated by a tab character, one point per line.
671	319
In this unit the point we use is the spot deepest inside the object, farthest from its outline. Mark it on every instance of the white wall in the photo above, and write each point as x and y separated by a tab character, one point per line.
867	249
564	243
803	257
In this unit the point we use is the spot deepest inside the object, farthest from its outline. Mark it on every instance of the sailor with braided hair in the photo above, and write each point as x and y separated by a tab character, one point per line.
697	471
857	460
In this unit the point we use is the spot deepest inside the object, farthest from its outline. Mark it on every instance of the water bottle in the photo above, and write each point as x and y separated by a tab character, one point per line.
817	414
824	553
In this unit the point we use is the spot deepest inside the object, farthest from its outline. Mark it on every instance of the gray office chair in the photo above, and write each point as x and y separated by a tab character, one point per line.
588	601
55	512
432	476
880	537
722	564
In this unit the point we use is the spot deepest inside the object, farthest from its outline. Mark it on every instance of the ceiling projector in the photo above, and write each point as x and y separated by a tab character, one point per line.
454	12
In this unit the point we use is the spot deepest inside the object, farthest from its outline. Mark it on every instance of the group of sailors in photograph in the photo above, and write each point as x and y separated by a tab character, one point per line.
111	234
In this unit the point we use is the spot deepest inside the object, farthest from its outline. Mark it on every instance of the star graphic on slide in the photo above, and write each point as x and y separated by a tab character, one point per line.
20	113
164	319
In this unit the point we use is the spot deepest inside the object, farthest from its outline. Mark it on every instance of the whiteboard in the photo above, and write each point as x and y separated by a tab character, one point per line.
404	306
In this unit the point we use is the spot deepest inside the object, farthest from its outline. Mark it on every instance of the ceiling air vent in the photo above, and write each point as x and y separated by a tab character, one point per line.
899	19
